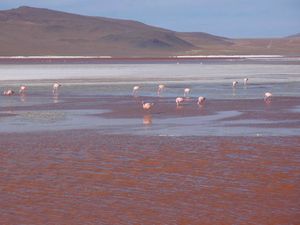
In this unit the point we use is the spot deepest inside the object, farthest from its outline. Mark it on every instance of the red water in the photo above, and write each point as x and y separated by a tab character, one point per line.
82	177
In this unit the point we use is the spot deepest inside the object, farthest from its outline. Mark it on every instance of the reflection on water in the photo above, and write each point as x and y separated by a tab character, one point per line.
23	98
202	107
147	119
233	91
55	98
179	107
221	123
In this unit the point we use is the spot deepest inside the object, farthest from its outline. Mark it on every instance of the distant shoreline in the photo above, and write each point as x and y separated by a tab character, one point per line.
170	59
46	57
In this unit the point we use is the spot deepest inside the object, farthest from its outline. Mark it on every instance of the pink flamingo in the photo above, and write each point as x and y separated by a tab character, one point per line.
135	90
147	105
234	83
201	100
56	86
22	89
186	92
179	100
246	81
8	92
268	96
161	87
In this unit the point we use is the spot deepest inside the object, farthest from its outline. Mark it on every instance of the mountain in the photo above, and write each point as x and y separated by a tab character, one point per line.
34	31
294	36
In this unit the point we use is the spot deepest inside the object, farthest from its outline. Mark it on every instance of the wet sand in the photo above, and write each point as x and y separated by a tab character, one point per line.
82	177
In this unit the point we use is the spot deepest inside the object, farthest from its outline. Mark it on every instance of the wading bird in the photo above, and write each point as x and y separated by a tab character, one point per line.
268	96
179	100
186	92
135	90
234	83
8	92
160	89
22	89
201	100
147	105
246	81
56	86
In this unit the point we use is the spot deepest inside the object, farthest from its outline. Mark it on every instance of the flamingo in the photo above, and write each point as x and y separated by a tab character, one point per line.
22	89
268	96
135	90
56	86
234	83
179	100
147	105
201	100
186	92
8	92
160	88
246	81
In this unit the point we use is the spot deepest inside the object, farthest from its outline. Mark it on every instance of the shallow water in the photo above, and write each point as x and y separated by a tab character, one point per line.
214	81
211	80
58	165
82	177
218	124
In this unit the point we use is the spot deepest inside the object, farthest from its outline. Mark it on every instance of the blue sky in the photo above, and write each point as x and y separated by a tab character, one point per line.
230	18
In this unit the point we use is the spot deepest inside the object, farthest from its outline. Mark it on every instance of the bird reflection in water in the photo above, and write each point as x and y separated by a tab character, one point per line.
233	92
55	98
147	119
23	98
201	108
179	107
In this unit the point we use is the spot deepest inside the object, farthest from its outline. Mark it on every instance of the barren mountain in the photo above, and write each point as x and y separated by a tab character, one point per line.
35	31
294	36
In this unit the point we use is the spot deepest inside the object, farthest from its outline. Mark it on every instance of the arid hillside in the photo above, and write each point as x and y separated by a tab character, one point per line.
33	31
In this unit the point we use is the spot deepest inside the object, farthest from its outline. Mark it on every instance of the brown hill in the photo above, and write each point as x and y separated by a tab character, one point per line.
294	36
34	31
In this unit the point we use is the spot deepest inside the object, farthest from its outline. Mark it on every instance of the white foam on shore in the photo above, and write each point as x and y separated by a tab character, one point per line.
229	56
178	56
55	57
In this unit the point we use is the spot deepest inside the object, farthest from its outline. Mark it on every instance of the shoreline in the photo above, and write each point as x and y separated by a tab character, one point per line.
166	59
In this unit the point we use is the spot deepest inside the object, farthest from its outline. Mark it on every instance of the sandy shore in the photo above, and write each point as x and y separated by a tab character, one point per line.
82	177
